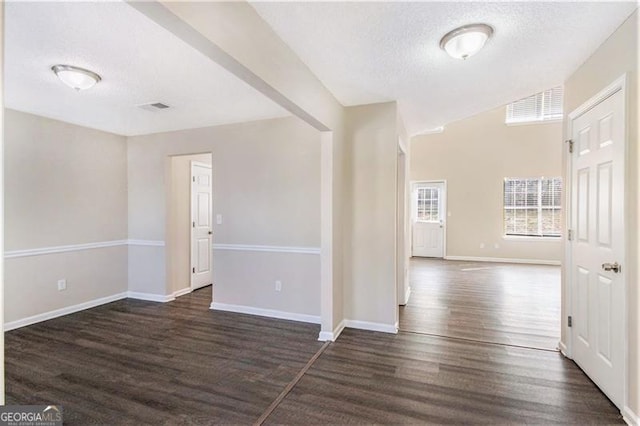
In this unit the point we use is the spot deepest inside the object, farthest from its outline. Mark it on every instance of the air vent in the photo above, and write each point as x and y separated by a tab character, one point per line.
156	106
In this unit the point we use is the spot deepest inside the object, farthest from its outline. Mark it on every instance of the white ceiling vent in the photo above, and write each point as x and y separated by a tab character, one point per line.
156	106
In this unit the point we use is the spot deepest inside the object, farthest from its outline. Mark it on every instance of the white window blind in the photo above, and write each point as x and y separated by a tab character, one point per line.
428	204
542	106
533	207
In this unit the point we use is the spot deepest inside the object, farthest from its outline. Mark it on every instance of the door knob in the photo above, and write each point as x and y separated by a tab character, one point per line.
615	267
210	232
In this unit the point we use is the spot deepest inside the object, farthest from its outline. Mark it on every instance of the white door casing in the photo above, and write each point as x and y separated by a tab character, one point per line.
428	228
201	225
597	224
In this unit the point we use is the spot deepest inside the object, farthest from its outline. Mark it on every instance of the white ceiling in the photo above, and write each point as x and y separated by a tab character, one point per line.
139	62
383	51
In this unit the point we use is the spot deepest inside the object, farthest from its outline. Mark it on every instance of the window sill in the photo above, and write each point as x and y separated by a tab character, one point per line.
524	238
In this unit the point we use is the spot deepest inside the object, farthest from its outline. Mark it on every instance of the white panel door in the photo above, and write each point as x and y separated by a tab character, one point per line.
598	224
201	226
428	219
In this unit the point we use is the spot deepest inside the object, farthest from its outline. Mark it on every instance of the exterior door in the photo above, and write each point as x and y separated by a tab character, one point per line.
597	223
428	226
201	225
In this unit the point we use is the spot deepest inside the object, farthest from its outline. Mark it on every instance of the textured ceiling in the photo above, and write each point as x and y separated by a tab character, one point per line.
383	51
139	62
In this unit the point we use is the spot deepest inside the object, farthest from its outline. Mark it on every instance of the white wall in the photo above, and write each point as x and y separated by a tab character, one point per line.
474	156
370	259
266	186
65	185
616	56
233	35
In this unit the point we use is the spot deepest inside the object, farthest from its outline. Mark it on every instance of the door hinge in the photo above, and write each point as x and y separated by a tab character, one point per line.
570	234
194	178
570	321
570	142
193	270
194	224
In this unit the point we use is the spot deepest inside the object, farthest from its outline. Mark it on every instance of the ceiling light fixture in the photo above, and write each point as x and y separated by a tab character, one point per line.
466	41
75	77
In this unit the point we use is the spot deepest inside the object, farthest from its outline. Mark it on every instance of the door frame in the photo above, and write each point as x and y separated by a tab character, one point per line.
445	211
566	348
191	253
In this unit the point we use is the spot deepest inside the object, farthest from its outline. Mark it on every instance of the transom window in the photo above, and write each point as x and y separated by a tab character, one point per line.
533	207
428	204
543	106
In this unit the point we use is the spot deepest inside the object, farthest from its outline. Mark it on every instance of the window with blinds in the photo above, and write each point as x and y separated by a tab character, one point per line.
543	106
533	207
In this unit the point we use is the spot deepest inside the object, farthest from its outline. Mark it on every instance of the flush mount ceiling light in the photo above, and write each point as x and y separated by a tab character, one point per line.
466	41
75	77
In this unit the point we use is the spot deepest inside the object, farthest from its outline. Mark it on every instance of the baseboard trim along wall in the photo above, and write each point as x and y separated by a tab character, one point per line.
151	297
505	260
372	326
407	295
271	313
92	304
63	311
563	348
274	249
182	292
630	417
326	336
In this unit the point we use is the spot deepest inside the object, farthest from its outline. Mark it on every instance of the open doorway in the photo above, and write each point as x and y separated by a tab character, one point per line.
190	223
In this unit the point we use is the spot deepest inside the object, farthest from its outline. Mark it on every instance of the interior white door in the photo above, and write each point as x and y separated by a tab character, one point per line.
201	225
428	219
597	221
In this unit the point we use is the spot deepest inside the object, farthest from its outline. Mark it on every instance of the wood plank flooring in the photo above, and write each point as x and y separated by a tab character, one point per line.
135	362
368	377
491	302
143	363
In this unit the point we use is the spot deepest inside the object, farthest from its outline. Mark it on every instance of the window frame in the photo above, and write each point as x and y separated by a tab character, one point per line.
540	207
431	204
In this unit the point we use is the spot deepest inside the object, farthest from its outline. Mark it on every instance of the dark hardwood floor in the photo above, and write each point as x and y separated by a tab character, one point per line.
143	363
136	362
368	377
491	302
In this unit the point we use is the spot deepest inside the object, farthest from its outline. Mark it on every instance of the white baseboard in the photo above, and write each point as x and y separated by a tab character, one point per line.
407	294
371	326
182	292
63	311
326	336
630	417
163	298
270	313
504	260
563	349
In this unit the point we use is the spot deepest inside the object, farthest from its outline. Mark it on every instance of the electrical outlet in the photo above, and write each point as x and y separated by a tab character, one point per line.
62	285
481	245
496	246
278	285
